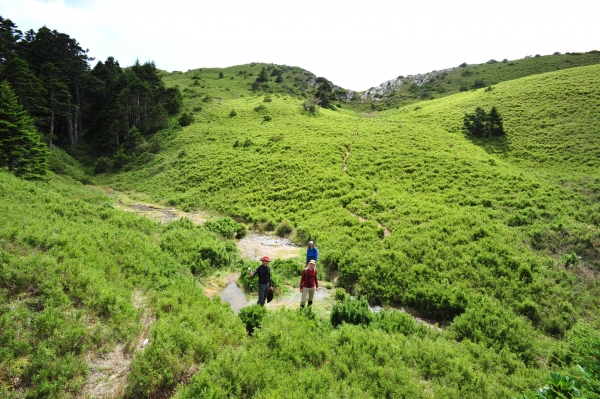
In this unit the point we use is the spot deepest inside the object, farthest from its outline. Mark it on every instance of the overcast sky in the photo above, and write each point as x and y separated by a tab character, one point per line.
354	43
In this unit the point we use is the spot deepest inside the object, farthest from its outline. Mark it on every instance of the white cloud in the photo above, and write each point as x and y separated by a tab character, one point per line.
356	44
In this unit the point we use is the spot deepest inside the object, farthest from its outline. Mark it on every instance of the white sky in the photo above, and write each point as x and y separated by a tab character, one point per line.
354	43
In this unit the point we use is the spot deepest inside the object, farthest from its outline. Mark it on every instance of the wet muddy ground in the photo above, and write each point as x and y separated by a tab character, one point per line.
290	300
254	246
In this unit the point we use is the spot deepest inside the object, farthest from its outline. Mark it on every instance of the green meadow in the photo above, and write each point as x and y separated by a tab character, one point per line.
494	240
406	209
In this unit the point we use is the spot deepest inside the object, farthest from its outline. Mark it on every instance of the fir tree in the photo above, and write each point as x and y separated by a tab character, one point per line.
496	127
324	92
476	124
262	78
9	36
483	124
29	90
21	147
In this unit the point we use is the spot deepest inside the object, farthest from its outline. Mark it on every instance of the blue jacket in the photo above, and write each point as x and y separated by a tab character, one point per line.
312	253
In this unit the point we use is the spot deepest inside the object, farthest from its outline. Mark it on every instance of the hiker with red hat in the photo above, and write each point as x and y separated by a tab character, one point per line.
264	280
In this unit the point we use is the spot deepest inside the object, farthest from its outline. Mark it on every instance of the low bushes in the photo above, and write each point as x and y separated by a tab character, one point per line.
353	312
252	316
486	322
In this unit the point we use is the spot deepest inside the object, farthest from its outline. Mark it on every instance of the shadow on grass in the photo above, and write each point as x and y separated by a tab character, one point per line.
493	145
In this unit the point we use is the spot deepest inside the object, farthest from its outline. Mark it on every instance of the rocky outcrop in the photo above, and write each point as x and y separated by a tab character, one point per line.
377	93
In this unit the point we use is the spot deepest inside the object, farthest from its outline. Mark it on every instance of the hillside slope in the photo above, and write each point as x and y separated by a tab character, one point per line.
406	211
405	207
436	84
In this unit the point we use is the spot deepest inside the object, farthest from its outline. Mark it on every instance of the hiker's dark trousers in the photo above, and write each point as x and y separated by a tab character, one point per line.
263	289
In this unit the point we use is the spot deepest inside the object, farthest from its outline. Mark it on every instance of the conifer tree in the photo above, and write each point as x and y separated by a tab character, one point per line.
29	90
324	92
483	124
262	78
476	124
45	45
495	122
21	147
58	98
9	36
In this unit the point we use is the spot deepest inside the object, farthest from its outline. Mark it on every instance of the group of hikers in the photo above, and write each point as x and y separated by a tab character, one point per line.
308	282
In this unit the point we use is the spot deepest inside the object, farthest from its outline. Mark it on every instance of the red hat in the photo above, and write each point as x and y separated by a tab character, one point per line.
265	258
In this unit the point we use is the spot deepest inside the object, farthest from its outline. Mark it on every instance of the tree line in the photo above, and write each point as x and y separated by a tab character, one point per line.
70	103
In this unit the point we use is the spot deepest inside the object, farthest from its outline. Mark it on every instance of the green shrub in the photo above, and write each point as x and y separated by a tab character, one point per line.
488	323
352	312
436	301
252	317
232	113
529	309
393	321
186	118
226	228
341	295
241	231
284	229
478	83
288	269
103	164
303	235
311	105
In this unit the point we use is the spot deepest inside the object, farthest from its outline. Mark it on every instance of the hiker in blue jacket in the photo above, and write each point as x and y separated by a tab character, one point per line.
312	253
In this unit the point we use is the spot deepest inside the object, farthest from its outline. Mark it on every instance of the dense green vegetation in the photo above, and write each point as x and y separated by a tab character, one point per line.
22	151
103	111
68	289
493	237
450	205
406	209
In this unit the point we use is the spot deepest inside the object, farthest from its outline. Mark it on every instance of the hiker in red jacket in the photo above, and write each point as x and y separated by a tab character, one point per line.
309	283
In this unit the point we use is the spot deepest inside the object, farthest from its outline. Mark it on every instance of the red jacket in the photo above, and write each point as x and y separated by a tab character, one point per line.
309	278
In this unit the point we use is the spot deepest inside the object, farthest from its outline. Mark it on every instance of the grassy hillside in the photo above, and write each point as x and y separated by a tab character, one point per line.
81	282
235	82
76	277
495	239
405	207
436	84
407	210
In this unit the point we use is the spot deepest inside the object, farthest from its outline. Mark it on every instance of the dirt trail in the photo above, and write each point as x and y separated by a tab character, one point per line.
345	157
253	246
108	371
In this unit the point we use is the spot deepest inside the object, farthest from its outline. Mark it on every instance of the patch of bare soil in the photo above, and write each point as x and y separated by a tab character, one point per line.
162	214
108	371
254	246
